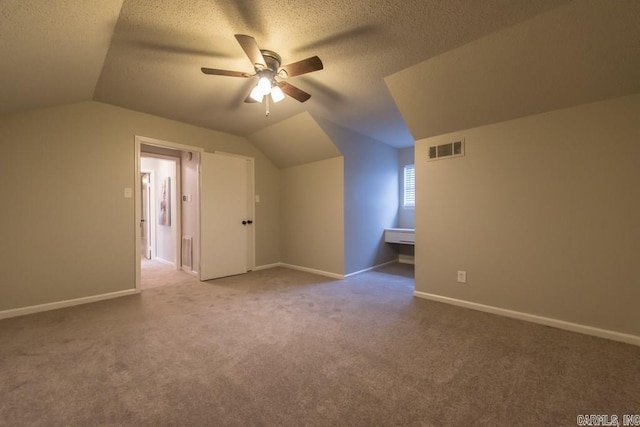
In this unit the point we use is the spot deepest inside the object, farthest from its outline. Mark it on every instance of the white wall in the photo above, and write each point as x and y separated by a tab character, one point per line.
543	212
312	215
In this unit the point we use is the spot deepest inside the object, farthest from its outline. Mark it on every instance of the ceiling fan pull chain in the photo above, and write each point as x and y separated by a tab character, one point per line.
267	106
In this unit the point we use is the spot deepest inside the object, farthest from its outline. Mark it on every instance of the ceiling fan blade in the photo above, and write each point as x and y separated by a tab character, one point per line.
294	92
250	47
217	72
302	67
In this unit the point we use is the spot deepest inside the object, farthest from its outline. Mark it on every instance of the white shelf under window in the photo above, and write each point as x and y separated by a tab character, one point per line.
403	236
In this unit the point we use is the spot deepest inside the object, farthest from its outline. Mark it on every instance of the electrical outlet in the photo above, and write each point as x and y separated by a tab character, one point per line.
462	276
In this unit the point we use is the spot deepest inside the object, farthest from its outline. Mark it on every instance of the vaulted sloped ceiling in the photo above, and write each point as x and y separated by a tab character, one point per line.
294	141
146	55
582	52
52	52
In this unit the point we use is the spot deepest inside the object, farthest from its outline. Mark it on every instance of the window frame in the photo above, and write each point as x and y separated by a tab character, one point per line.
409	186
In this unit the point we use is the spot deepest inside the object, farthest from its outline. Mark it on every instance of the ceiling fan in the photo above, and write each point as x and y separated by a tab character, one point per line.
266	64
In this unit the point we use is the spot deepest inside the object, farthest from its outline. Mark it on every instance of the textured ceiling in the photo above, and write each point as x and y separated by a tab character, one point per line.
582	52
275	142
52	52
146	54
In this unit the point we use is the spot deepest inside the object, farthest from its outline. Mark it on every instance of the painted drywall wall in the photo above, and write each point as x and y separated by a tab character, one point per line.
68	231
370	197
312	217
406	216
543	214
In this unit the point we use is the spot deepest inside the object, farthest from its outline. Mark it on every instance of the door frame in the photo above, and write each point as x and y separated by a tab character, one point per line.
151	238
139	141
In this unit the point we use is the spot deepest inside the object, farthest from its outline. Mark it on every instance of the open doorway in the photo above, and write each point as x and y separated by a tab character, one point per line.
167	214
201	243
163	210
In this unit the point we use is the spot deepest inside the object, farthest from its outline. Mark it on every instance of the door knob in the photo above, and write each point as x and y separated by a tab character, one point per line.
249	221
244	222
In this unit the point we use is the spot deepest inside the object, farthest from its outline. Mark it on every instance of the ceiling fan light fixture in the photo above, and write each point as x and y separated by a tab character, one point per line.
256	94
264	84
276	94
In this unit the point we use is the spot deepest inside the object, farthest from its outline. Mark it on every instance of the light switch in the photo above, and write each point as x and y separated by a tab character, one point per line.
462	276
128	193
257	198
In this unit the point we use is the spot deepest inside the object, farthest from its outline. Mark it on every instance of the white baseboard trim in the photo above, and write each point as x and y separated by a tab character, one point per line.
406	259
313	271
547	321
319	272
370	268
267	266
15	312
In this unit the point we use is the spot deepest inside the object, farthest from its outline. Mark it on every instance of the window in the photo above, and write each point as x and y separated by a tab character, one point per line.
409	200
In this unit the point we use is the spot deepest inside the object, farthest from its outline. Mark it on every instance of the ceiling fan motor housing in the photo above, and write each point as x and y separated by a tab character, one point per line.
272	60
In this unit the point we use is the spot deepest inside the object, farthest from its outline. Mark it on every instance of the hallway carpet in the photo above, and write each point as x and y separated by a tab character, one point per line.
280	347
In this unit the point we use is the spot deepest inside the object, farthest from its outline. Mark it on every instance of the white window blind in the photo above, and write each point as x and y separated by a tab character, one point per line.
409	199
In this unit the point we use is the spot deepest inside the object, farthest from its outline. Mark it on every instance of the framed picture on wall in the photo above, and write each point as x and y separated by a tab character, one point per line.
165	203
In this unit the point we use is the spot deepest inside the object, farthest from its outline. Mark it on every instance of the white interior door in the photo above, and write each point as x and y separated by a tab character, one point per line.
224	216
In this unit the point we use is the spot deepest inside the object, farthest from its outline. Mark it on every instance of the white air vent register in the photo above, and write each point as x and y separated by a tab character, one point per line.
452	149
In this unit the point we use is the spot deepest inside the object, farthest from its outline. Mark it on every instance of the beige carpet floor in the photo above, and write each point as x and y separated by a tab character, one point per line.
280	347
155	273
